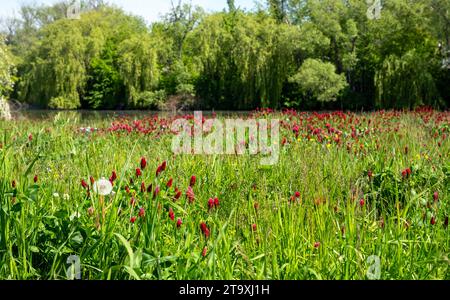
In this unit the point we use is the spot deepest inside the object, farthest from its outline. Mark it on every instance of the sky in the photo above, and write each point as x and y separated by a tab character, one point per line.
151	10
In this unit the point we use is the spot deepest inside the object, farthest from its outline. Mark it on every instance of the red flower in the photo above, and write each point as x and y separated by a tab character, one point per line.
35	179
369	174
433	221
138	172
211	203
169	183
92	180
113	176
164	165
205	229
436	196
297	194
316	245
361	202
132	201
193	180
30	137
216	202
158	171
143	163
127	189
254	227
133	219
179	223
171	214
84	184
205	251
406	173
177	195
143	187
190	194
150	188
141	212
156	192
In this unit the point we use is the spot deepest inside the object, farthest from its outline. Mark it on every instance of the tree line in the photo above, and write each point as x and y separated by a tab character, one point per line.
306	54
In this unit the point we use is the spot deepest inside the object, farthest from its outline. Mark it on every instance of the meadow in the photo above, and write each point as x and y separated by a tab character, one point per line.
347	187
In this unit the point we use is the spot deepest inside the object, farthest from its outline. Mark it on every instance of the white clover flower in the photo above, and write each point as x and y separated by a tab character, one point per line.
55	195
103	187
66	197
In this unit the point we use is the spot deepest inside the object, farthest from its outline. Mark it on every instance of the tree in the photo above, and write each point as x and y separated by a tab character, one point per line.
7	70
318	80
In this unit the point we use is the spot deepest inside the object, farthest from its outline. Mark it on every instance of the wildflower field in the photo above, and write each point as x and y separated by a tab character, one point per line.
111	192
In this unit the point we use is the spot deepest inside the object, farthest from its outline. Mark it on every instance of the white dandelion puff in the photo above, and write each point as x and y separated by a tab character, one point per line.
103	187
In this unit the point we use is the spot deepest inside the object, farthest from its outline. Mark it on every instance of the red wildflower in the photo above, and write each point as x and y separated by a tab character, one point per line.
406	173
211	203
193	180
205	251
30	137
177	195
143	163
361	202
316	245
132	201
150	188
127	189
205	229
436	196
169	183
143	187
297	194
190	194
369	174
35	179
179	223
113	176
158	171
254	227
433	221
216	202
84	184
141	212
171	214
164	165
92	180
138	172
133	219
156	192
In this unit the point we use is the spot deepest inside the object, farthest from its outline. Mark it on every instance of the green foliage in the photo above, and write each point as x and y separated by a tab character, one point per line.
7	69
319	80
408	80
232	59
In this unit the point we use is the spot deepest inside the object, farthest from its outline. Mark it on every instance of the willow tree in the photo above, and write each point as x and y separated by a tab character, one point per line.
406	81
7	69
244	59
138	66
56	71
6	78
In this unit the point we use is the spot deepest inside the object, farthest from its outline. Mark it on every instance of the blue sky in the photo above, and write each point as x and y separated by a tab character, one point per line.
151	10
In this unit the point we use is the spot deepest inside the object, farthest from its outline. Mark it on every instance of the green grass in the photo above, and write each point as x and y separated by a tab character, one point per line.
39	231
